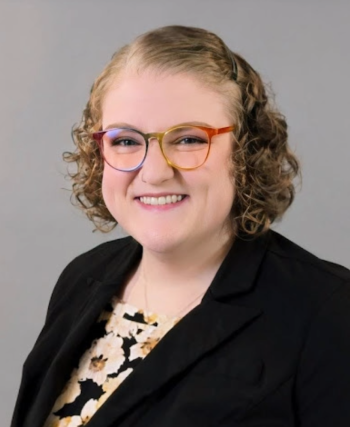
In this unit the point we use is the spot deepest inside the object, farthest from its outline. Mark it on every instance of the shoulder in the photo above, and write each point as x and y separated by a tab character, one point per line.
298	281
101	253
94	263
294	263
287	252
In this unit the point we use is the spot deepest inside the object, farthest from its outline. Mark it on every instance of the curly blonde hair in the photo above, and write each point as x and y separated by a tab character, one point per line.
263	166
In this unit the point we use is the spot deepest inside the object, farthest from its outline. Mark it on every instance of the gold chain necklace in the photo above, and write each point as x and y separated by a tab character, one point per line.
177	314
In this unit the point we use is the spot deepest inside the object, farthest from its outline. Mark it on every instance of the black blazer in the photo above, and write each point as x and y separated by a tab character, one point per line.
268	346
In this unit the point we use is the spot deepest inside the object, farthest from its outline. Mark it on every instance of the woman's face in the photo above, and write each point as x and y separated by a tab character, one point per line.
154	103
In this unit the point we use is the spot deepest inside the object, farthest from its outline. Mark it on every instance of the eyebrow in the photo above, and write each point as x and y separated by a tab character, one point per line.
128	125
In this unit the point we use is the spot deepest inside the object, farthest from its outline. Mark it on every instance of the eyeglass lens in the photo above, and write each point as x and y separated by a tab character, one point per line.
186	147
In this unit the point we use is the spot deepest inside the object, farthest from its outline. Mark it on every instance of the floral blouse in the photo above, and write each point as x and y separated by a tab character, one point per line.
123	336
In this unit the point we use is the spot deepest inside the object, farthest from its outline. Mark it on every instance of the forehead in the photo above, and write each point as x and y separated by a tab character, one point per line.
154	102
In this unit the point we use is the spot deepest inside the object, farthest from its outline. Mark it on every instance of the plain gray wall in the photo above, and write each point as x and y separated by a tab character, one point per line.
50	52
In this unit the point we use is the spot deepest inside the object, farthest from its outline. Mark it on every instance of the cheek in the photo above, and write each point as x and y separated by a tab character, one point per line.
221	173
213	193
221	190
222	196
114	188
108	184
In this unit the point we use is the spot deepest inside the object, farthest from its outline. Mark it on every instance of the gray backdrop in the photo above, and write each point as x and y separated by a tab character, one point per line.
50	52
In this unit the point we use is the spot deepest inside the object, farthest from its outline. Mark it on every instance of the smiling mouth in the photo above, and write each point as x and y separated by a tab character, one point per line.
163	200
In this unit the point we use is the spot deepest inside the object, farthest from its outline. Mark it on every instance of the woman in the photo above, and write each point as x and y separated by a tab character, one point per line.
203	316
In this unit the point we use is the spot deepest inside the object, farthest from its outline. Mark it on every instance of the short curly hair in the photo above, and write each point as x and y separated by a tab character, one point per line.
263	165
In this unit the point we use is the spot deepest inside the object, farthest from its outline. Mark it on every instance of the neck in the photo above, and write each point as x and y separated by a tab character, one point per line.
184	271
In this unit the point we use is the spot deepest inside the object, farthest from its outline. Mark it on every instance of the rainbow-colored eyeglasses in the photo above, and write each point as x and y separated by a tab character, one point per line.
184	147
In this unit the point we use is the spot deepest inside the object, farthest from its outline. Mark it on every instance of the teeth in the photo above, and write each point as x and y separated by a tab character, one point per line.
164	200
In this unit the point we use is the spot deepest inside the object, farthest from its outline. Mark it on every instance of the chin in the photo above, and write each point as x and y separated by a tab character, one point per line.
158	241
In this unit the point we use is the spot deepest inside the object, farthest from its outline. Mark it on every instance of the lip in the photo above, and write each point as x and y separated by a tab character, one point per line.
162	208
160	194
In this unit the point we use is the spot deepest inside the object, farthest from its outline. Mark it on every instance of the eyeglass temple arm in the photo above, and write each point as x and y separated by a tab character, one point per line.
225	129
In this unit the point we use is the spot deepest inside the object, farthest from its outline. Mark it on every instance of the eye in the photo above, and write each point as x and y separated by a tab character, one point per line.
189	140
124	142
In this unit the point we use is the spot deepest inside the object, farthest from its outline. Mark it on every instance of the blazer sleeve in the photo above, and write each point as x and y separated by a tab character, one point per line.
63	289
25	393
323	379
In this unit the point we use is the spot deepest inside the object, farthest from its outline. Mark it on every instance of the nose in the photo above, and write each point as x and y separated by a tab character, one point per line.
155	168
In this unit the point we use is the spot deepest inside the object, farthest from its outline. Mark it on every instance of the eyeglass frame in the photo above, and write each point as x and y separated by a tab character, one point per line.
98	138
